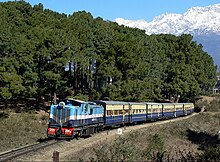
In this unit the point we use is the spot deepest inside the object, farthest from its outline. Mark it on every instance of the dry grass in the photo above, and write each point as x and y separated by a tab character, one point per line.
178	140
207	98
174	139
18	129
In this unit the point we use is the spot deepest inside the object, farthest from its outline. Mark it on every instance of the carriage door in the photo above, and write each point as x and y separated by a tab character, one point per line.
146	112
158	111
123	113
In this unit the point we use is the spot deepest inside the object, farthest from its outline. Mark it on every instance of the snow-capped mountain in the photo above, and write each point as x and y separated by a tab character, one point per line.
202	22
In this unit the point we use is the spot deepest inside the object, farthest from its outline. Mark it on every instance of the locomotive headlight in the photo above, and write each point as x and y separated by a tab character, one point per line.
68	131
51	131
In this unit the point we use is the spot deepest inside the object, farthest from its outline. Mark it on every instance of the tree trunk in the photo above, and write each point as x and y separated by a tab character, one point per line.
177	98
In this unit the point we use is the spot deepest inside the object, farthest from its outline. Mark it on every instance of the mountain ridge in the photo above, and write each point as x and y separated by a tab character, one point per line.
201	22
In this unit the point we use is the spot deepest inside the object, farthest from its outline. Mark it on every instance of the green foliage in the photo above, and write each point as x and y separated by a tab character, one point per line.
44	52
81	97
12	85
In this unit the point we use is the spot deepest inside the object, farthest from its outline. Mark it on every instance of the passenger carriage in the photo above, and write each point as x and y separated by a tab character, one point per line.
73	117
115	112
168	110
188	108
154	111
138	111
179	109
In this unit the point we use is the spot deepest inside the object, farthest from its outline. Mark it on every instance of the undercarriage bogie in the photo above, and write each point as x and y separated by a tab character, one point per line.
58	132
86	131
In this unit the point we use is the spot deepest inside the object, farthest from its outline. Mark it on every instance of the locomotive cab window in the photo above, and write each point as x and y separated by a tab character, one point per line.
91	111
86	108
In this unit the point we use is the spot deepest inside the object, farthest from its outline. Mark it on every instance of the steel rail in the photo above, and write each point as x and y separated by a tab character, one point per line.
9	155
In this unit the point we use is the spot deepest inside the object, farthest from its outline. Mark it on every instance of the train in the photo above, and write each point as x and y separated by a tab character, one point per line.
72	118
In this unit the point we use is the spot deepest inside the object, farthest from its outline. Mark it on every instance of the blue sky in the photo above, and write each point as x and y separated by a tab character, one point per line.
127	9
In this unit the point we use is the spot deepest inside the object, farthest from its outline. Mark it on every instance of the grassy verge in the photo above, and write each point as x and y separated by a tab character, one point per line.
189	139
18	129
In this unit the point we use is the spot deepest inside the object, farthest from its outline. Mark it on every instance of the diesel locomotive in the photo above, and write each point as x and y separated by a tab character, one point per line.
72	118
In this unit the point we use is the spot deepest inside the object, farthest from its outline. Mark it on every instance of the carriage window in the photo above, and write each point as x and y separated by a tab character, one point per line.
109	112
116	112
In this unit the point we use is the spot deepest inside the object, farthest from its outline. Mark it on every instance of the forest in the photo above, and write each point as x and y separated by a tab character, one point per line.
46	54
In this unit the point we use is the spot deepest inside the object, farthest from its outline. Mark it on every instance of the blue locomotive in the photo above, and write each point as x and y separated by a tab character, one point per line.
71	118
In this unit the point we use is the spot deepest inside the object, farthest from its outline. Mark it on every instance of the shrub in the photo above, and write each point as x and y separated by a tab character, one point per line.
120	150
80	97
156	145
3	115
200	104
210	154
125	149
214	106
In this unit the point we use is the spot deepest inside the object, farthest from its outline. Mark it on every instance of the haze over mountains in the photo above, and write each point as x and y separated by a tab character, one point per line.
201	22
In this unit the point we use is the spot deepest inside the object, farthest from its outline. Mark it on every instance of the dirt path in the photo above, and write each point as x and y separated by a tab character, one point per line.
69	148
207	98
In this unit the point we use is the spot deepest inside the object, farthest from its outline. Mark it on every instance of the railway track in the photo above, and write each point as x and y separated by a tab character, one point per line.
9	155
12	154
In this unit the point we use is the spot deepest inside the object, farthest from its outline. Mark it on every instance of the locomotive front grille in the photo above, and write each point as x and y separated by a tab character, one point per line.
60	116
